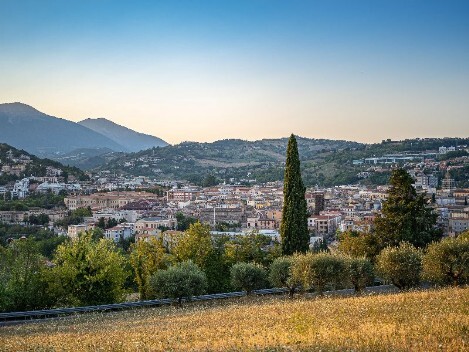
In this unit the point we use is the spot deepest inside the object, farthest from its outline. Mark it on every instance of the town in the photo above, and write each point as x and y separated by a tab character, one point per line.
144	207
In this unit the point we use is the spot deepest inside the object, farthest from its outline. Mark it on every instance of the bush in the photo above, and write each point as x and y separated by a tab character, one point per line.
447	262
360	273
319	271
87	272
248	277
280	274
401	265
183	280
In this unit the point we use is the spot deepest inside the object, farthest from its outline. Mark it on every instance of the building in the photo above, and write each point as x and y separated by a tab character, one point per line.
120	232
74	230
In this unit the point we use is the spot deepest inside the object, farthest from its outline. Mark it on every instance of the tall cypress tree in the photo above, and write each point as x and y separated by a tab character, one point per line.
294	227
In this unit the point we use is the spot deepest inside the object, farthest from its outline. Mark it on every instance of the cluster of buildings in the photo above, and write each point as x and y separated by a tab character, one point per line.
237	209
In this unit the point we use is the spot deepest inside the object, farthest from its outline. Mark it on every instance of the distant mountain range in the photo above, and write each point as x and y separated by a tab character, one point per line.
131	140
24	127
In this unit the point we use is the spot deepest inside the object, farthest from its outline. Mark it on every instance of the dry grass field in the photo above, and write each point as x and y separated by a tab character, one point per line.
414	321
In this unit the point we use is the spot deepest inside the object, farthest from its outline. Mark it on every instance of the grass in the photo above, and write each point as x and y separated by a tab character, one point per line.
435	320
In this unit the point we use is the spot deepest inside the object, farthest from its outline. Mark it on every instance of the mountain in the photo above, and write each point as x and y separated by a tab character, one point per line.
26	128
131	140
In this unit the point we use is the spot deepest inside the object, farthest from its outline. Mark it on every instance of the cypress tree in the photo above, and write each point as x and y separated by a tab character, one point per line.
294	227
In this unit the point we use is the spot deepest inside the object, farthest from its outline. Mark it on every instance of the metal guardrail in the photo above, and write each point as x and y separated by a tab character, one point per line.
49	313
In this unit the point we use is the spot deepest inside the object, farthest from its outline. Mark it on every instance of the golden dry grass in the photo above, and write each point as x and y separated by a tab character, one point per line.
415	321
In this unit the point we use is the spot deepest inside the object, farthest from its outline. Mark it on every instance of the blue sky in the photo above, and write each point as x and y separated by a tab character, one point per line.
206	70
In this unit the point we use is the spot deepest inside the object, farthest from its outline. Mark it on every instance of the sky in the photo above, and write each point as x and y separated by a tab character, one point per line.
207	70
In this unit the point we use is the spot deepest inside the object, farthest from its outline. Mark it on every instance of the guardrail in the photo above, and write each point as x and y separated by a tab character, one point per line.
49	313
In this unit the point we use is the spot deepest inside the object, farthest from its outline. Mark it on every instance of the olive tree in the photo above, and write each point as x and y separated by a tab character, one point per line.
360	273
319	271
182	280
248	277
401	265
280	274
447	261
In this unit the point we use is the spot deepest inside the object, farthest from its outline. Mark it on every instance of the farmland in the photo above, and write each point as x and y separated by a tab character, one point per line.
418	321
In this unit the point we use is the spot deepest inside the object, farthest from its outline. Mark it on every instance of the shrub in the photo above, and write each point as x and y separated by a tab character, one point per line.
360	273
401	265
319	271
280	274
182	280
87	272
447	262
248	277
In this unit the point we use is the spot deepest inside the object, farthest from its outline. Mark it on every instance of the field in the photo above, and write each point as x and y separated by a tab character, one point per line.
435	320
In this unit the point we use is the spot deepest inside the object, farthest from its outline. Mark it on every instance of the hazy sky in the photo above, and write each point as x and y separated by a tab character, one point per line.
250	69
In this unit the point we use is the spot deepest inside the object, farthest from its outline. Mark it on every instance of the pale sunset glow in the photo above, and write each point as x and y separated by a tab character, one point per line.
208	70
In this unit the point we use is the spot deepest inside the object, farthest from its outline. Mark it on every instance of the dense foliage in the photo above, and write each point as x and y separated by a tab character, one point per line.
400	265
294	226
248	277
447	262
405	215
182	280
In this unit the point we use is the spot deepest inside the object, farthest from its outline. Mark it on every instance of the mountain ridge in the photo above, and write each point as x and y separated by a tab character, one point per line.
134	141
25	127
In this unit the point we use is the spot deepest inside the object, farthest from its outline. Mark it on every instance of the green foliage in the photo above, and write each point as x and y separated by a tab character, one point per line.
146	258
294	227
320	246
359	244
87	272
41	219
22	284
248	277
209	181
75	217
405	215
319	271
447	261
360	273
401	265
196	245
184	222
280	274
182	280
46	200
253	247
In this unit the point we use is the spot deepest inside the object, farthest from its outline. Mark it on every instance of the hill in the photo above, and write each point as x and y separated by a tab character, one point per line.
16	164
131	140
27	128
324	162
231	158
412	321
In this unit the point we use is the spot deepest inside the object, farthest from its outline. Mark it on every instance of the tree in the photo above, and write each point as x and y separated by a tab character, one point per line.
248	277
196	245
183	222
146	258
360	273
447	261
359	244
253	247
401	265
405	216
22	284
280	274
294	227
87	272
319	271
182	280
